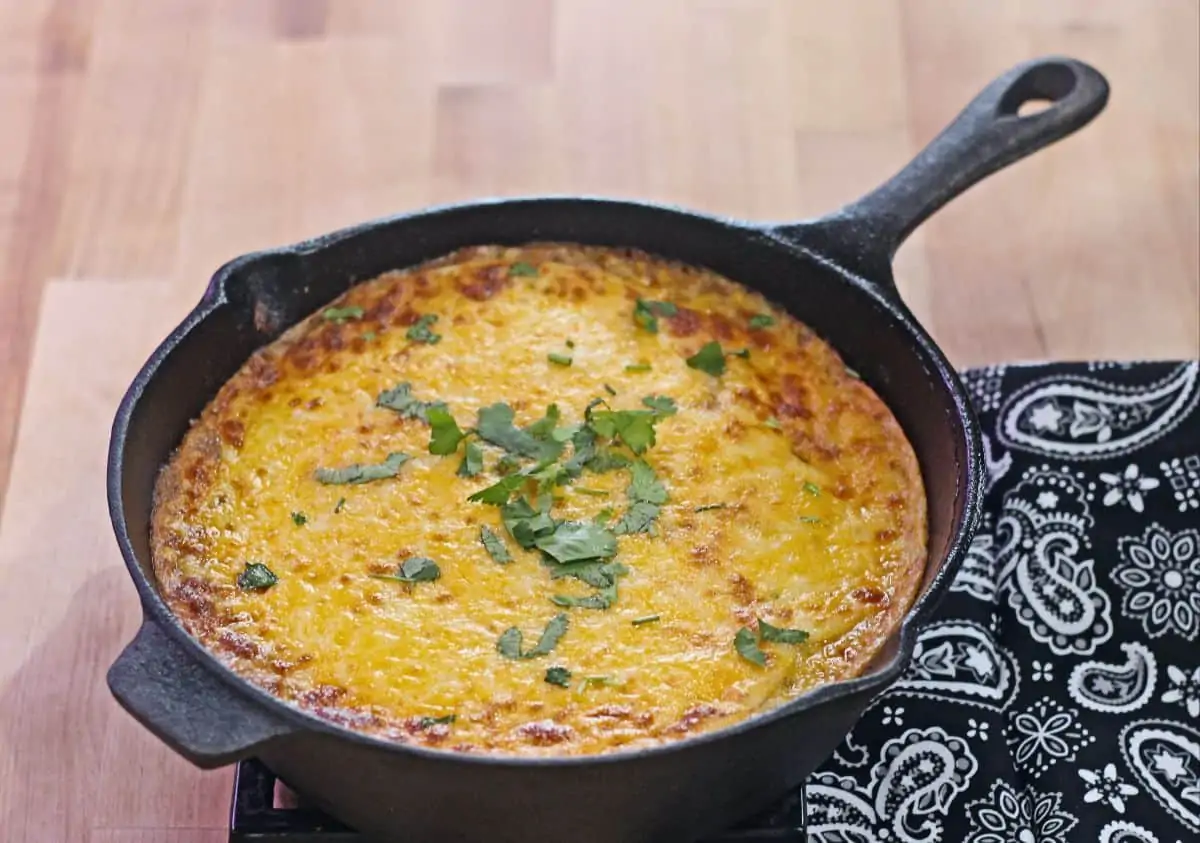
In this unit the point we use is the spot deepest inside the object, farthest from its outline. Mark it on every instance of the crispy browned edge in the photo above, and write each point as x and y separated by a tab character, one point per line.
189	470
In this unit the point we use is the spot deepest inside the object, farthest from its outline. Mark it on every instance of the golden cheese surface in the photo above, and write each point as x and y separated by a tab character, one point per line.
792	497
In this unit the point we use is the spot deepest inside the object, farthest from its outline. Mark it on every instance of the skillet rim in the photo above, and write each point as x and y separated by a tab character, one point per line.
299	723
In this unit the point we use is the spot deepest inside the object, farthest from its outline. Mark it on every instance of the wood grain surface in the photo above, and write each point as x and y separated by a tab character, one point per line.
145	142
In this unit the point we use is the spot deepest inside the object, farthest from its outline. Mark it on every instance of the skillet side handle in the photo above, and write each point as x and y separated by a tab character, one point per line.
184	705
989	134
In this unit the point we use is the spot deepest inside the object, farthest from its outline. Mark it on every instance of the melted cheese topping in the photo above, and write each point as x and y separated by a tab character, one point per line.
821	525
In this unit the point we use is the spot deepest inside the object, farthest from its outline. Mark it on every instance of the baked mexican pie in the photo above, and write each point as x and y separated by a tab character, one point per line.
549	500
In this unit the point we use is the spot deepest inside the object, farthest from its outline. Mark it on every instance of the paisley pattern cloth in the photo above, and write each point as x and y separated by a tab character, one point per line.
1056	697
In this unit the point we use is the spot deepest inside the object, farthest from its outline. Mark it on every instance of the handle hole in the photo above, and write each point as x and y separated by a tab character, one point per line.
1037	89
1033	106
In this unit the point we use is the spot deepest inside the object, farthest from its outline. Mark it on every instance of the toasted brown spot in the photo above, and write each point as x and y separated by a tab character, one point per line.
545	732
693	717
233	432
487	281
870	594
741	589
322	695
240	645
684	323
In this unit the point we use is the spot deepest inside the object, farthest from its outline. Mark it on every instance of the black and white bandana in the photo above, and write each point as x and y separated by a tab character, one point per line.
1056	696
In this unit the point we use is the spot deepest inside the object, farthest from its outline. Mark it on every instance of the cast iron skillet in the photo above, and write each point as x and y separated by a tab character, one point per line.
832	273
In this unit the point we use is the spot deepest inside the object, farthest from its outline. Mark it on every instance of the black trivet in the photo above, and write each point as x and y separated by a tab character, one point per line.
259	816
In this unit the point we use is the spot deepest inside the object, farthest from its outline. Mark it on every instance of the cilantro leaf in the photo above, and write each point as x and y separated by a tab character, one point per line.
633	427
809	519
400	399
444	434
559	676
606	460
746	644
499	492
559	359
256	577
495	425
773	423
359	473
299	519
422	330
494	545
603	516
526	524
761	320
646	493
521	268
342	314
811	487
427	722
662	405
509	642
595	573
544	427
779	635
577	541
600	600
645	312
709	359
647	619
551	635
472	461
583	450
414	569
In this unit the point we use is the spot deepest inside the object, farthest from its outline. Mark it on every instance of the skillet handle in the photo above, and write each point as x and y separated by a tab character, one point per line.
185	705
989	134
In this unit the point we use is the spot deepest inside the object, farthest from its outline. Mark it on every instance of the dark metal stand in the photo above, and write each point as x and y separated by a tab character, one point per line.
256	818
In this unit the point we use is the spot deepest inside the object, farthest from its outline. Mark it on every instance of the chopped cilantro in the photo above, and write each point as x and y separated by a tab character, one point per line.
606	681
812	488
610	390
710	506
606	459
559	676
645	313
521	268
779	635
809	519
499	492
746	644
709	359
577	541
603	516
773	423
495	425
761	320
422	330
663	405
584	490
559	359
359	473
369	335
400	399
413	570
633	427
599	600
646	494
544	427
743	353
526	524
852	373
494	545
472	461
428	722
638	367
595	573
570	343
342	314
647	619
509	642
340	505
507	464
299	519
256	577
444	433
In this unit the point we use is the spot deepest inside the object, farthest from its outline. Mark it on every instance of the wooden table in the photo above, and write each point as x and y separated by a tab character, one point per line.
144	142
